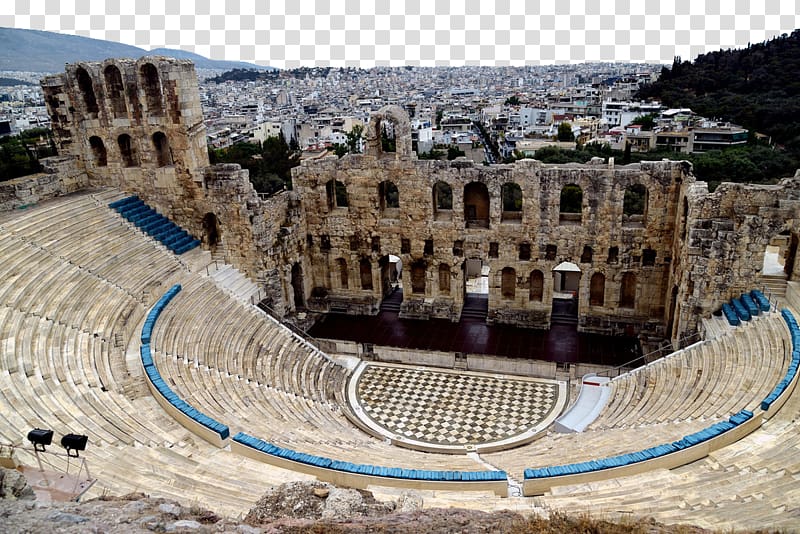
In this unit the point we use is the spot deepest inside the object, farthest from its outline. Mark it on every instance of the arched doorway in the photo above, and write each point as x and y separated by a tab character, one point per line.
476	289
566	283
391	282
297	286
211	231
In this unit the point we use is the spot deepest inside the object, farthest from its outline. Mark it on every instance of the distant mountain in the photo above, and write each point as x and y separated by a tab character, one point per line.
203	62
41	51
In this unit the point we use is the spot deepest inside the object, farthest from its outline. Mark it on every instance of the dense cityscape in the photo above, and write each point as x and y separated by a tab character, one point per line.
521	109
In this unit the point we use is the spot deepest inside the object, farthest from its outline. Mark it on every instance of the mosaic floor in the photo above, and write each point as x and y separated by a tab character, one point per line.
438	408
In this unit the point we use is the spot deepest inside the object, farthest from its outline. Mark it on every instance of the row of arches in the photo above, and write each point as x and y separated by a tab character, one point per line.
597	287
418	270
508	282
477	201
128	152
149	83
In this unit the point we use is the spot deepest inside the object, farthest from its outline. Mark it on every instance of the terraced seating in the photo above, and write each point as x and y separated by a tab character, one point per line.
744	485
155	225
668	399
61	365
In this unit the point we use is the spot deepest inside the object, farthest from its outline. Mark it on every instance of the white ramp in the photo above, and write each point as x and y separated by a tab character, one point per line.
592	399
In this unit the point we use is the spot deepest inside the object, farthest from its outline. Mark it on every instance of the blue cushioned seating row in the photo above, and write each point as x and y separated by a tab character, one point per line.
155	225
365	469
760	299
746	306
643	455
740	310
730	315
155	377
791	372
751	306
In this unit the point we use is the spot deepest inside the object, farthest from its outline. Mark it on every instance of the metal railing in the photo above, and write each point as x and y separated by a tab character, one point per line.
629	365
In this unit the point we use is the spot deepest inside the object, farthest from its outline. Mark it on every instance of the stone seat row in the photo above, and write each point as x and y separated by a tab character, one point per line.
670	398
743	485
225	400
155	225
704	380
205	325
218	431
716	436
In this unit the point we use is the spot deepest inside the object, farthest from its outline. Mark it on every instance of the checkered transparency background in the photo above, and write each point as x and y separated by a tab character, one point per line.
291	33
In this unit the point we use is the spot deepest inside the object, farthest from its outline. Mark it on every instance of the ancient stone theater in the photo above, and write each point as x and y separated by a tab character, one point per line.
145	292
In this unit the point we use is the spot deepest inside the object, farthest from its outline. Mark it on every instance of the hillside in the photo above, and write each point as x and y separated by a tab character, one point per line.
756	87
41	51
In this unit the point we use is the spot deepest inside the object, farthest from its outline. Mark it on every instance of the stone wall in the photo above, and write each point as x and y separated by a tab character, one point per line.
61	176
727	233
537	238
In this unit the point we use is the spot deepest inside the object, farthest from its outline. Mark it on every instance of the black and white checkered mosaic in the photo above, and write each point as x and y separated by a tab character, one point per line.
450	408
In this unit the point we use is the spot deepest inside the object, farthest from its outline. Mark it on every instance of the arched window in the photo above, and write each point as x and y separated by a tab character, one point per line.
571	204
627	291
341	265
116	91
536	284
336	193
476	205
442	201
298	287
365	269
127	151
87	91
597	289
511	194
508	283
418	269
98	151
634	205
163	153
389	195
444	279
387	136
586	257
152	89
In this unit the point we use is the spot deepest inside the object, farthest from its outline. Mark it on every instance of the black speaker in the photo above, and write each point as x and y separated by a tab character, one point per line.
40	438
74	442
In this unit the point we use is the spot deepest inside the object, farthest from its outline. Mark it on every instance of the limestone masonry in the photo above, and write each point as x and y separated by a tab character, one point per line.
648	249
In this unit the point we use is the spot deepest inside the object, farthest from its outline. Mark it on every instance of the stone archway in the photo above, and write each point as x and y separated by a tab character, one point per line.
212	234
566	285
402	131
297	287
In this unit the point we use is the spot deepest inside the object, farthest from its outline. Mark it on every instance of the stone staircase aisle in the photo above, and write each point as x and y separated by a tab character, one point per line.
393	301
232	281
476	307
774	286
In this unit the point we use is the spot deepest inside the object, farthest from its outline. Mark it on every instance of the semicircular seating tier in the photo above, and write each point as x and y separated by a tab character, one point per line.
75	283
670	398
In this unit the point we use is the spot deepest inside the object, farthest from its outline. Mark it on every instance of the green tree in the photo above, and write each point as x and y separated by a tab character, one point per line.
647	122
565	132
277	161
354	137
512	101
454	152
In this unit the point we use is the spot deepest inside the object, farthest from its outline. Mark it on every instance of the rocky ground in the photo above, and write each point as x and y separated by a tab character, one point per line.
287	509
